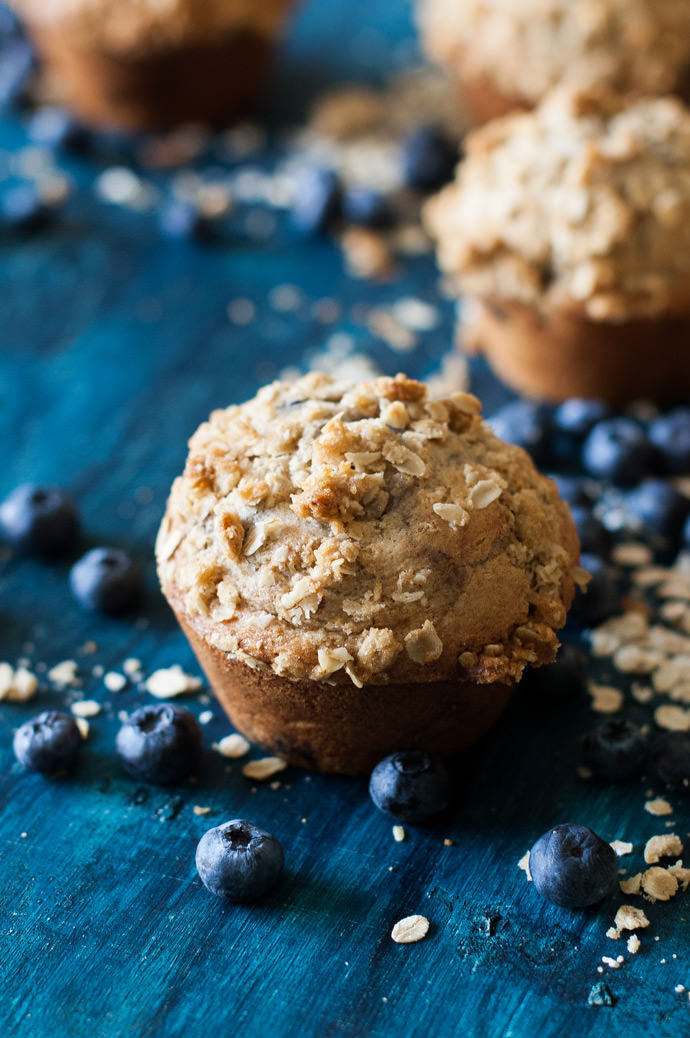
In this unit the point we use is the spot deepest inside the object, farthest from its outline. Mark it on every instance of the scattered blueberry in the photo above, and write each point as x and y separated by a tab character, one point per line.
410	785
670	434
22	208
180	218
160	743
560	680
655	507
238	861
428	158
671	759
16	66
616	750
54	127
107	580
577	417
48	743
618	450
573	867
39	520
525	425
600	599
574	490
366	208
317	201
594	537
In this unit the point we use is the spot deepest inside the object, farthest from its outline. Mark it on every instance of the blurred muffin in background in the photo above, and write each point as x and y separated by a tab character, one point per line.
505	54
567	231
155	63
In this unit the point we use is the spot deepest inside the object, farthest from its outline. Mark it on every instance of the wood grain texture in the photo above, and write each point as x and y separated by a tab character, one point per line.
114	345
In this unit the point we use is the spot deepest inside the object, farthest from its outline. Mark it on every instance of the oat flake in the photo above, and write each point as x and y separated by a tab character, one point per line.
264	768
410	929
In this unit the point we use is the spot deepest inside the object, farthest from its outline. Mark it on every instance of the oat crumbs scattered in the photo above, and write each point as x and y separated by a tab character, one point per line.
524	865
398	833
171	681
232	746
263	768
410	929
201	810
658	806
86	708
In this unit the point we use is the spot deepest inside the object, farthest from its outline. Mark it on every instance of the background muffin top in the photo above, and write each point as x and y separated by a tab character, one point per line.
130	26
367	534
525	47
583	202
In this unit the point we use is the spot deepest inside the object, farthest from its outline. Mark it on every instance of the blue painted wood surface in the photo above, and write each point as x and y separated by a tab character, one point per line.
113	346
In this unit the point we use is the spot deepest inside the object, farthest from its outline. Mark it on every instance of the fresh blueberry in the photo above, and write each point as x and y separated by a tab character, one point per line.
16	66
160	743
577	417
686	533
239	862
574	490
107	580
600	599
573	867
616	750
180	218
410	785
428	158
39	520
670	434
22	208
594	537
671	759
55	127
618	450
655	507
563	679
9	26
317	202
48	743
526	425
366	208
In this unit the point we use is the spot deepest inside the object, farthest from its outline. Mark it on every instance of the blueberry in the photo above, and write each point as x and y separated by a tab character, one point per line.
22	208
671	759
686	533
160	743
317	201
616	750
239	861
182	219
618	450
656	507
428	158
574	490
525	425
594	537
48	743
577	417
600	599
106	580
54	127
366	208
670	434
573	867
39	520
562	679
16	66
410	785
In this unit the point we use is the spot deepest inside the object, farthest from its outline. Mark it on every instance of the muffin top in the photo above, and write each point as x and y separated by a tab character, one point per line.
367	534
526	47
583	203
134	26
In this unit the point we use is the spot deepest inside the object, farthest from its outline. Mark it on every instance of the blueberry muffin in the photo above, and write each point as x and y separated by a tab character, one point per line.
155	63
567	231
509	53
362	569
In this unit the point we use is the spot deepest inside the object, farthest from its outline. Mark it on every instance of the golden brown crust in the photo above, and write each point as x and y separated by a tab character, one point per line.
583	204
132	28
366	535
526	47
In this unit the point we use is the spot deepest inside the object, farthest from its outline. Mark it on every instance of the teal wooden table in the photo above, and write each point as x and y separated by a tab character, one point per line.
114	344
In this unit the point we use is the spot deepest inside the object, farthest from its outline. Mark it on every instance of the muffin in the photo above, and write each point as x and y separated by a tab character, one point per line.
155	63
509	53
567	230
361	569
